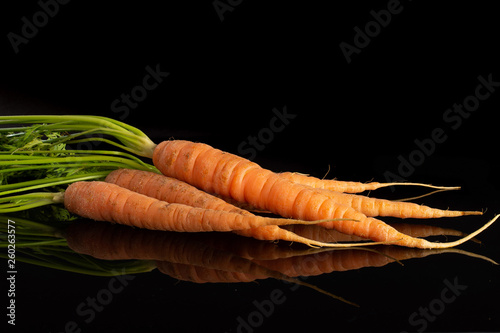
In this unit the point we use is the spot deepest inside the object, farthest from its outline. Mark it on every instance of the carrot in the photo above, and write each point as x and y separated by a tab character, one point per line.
168	189
108	202
175	191
321	234
373	206
381	207
350	187
229	175
207	168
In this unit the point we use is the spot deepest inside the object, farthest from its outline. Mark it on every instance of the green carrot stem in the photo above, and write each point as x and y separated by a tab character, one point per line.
72	119
131	141
48	182
133	138
58	160
92	155
9	208
132	149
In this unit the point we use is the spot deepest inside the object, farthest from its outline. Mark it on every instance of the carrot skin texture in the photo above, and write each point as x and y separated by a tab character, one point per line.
266	190
287	199
330	184
169	189
103	201
380	207
176	191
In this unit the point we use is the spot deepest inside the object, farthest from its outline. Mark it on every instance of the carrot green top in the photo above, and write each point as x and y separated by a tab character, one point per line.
132	139
34	155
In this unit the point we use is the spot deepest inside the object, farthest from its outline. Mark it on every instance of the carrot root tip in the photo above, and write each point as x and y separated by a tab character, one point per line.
464	239
472	213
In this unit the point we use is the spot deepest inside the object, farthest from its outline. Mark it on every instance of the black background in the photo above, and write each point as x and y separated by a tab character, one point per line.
225	78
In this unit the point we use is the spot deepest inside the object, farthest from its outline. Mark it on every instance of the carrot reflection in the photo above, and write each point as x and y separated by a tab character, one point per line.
225	257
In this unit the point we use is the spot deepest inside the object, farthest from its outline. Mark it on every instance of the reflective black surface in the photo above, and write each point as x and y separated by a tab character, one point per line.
161	280
417	101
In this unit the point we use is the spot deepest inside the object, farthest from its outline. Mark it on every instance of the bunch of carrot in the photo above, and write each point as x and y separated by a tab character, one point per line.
181	199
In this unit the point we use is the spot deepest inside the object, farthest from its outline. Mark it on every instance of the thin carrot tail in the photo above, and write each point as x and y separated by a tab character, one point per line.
289	236
417	197
424	212
349	186
382	207
424	244
375	185
377	230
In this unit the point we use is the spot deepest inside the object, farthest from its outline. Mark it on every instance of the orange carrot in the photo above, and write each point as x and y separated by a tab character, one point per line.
169	189
108	202
229	175
349	187
176	191
321	234
381	207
